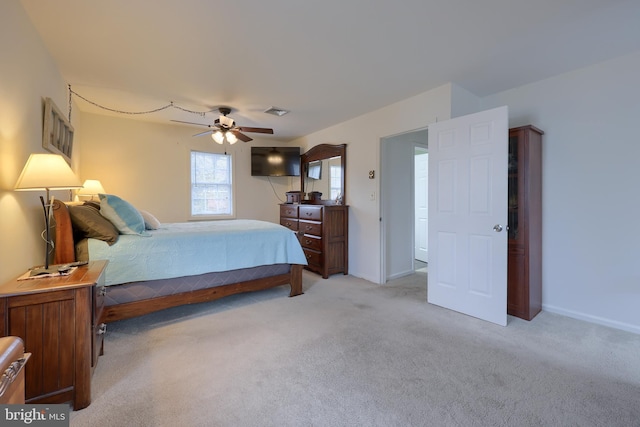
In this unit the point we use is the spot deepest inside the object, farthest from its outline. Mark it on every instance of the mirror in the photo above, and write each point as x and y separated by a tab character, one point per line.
322	170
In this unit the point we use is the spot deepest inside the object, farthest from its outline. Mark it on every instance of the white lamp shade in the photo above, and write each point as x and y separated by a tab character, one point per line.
231	138
47	171
91	187
218	137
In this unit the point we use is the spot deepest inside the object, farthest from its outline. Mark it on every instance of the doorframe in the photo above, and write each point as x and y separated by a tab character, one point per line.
383	198
425	148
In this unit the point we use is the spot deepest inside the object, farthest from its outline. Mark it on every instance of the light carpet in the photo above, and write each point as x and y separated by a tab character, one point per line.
352	353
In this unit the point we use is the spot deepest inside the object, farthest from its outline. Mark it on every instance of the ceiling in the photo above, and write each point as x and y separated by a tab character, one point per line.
326	61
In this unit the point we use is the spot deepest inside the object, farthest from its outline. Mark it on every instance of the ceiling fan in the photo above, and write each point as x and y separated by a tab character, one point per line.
225	128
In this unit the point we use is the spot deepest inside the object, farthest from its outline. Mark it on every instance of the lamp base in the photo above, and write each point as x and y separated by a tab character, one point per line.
57	269
38	271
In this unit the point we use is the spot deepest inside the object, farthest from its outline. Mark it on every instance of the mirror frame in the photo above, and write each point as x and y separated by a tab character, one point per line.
324	152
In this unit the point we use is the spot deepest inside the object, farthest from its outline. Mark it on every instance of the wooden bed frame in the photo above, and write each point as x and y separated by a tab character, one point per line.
65	253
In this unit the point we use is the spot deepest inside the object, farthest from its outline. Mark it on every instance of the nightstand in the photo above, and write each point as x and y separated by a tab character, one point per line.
57	319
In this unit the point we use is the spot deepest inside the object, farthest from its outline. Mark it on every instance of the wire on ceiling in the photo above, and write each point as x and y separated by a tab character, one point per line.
115	110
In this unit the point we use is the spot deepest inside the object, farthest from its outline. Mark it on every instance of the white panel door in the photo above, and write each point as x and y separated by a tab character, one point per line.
468	214
422	206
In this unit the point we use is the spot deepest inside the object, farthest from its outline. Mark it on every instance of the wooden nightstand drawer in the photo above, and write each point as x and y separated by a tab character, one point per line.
98	329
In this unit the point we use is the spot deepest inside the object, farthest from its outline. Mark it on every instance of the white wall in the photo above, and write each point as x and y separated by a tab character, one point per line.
148	165
28	74
362	136
591	176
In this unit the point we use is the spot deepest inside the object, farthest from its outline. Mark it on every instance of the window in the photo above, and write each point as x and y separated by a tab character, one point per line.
336	182
211	185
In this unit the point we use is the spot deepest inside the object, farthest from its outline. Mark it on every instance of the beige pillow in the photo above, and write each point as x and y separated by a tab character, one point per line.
150	221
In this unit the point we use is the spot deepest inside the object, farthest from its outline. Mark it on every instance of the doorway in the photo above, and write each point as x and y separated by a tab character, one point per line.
421	206
398	203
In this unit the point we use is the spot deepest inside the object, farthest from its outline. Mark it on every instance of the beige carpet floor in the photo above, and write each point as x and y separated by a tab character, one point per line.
352	353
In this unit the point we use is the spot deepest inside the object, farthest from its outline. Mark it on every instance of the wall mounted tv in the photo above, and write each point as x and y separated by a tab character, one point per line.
275	161
314	170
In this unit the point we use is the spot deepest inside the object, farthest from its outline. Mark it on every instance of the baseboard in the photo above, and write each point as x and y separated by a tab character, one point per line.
592	319
365	277
401	274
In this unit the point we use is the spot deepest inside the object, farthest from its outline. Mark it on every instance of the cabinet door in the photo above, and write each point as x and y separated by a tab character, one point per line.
46	323
515	190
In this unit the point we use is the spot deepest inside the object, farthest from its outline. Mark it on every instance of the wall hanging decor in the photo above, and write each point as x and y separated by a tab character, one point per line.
57	135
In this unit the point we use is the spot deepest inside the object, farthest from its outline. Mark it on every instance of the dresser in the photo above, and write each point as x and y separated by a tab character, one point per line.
57	318
323	233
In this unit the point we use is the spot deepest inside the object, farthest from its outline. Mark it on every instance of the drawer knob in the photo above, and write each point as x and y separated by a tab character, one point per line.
102	329
103	291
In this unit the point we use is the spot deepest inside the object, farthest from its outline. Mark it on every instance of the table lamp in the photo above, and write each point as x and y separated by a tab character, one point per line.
46	172
91	187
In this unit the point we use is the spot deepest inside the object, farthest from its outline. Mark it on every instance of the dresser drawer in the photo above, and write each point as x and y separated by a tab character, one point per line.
311	242
289	211
314	228
311	212
314	258
291	224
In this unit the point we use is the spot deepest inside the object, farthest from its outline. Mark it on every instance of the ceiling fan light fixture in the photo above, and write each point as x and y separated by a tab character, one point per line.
226	121
231	138
218	137
276	111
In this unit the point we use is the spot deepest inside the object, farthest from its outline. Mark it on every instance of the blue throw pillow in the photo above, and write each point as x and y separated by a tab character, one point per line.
122	214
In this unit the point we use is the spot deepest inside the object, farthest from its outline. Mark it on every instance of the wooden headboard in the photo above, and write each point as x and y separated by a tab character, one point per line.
65	251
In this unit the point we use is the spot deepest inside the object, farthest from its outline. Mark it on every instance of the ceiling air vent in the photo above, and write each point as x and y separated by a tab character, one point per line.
276	111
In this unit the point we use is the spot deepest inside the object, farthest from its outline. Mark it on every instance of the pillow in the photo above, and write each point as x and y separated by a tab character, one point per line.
88	221
93	203
122	214
150	221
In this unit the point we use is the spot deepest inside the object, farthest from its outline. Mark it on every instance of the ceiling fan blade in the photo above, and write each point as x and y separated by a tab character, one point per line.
203	133
256	130
191	123
241	136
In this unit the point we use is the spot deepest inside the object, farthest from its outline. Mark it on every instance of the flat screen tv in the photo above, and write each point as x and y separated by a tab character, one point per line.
314	170
275	161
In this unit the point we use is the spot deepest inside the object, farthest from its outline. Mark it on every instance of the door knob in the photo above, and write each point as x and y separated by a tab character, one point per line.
497	228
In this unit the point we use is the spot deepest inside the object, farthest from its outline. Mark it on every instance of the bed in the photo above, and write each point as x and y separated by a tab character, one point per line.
161	268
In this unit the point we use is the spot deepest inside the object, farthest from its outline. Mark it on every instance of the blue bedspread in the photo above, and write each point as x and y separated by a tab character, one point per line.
191	248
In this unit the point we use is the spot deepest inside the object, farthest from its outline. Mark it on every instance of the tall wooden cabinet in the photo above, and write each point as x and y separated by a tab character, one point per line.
524	258
323	233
